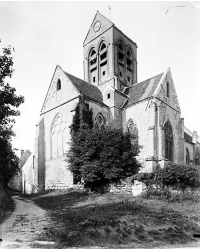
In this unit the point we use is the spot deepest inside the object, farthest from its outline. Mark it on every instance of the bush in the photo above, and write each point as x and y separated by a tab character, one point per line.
181	178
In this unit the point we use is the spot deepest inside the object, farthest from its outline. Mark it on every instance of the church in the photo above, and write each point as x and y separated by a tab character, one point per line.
149	109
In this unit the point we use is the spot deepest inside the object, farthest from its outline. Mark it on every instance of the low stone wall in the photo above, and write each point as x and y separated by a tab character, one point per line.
126	186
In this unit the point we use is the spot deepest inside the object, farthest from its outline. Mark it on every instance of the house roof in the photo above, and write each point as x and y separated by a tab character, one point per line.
142	90
87	90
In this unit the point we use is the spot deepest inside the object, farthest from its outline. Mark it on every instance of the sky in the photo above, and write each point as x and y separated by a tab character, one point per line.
46	34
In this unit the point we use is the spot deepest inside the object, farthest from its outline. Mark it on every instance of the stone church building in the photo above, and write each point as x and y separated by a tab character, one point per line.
149	109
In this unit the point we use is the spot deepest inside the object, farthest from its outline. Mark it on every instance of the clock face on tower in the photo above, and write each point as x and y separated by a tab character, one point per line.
97	26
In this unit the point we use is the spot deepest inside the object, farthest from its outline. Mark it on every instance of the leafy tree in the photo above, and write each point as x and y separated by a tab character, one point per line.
9	102
101	157
9	162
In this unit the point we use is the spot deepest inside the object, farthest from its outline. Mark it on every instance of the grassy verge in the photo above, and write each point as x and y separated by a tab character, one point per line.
7	205
80	219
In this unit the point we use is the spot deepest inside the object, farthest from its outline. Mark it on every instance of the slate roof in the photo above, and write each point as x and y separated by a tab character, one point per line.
142	90
87	90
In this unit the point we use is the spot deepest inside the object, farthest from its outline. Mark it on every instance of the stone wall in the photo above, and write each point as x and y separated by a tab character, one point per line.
127	186
191	149
128	43
28	179
143	117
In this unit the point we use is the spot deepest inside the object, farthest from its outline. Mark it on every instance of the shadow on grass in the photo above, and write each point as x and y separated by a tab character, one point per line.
87	220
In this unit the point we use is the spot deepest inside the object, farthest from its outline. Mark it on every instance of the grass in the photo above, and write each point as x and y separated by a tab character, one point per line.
81	219
7	205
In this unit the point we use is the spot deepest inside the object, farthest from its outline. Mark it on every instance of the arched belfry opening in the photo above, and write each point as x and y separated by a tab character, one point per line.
103	61
92	61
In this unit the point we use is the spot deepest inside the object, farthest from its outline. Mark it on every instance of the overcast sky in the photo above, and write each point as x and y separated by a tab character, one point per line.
46	34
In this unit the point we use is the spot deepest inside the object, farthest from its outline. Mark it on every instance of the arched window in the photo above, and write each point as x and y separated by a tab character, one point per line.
103	60
187	159
168	141
103	54
129	60
99	122
168	89
121	52
60	136
133	130
58	85
93	65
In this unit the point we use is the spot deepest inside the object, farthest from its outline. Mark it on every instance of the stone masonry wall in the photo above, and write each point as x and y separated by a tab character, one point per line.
28	181
143	117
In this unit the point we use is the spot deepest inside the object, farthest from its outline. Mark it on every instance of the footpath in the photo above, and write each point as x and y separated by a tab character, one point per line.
24	226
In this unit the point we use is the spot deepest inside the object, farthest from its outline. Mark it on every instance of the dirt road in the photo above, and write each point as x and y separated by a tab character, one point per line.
23	227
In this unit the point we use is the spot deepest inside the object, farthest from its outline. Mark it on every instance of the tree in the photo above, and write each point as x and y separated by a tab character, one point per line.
9	102
101	157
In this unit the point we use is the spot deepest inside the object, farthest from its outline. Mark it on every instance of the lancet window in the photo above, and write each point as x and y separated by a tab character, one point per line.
58	84
187	159
103	60
129	60
121	52
168	141
93	65
99	122
60	136
133	130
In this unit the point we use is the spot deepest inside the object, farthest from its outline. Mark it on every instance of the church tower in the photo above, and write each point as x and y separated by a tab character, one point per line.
110	57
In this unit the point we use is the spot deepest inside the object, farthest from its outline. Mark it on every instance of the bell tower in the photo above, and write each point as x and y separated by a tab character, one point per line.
110	57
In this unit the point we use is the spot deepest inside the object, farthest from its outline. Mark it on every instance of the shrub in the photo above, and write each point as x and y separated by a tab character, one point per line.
181	178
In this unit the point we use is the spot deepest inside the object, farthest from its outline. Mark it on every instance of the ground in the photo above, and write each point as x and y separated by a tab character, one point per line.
27	223
71	219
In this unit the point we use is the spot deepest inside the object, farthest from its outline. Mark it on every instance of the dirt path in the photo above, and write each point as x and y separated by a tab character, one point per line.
24	226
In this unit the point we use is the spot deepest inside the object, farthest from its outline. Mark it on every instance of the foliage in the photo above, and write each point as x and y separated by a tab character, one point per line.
83	117
99	157
181	177
102	156
173	177
7	205
9	102
9	162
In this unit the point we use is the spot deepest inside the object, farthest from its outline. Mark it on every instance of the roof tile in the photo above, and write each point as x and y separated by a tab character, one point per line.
88	90
142	90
